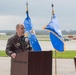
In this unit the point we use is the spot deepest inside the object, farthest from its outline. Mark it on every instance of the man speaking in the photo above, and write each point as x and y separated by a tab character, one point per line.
18	43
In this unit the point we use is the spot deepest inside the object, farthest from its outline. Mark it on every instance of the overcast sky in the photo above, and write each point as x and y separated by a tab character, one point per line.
12	12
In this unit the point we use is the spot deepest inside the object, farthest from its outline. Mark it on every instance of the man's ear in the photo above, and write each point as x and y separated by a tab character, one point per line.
16	29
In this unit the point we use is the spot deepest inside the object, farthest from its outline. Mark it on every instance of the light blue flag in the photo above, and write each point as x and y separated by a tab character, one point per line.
32	37
55	34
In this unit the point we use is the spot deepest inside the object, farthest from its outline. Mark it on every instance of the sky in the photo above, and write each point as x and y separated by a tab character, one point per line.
13	12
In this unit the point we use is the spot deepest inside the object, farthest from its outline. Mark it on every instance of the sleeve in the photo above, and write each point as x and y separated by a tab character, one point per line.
9	47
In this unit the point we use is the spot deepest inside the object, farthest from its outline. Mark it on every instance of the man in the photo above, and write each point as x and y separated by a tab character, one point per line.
18	43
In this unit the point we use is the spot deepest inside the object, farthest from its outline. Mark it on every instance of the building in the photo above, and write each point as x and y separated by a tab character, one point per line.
1	34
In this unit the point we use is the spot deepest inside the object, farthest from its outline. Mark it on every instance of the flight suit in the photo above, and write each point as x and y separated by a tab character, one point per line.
17	44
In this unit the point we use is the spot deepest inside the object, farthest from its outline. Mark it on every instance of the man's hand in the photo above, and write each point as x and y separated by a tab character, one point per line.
13	55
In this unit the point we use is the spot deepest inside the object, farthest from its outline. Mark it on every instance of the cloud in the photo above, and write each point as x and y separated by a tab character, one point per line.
12	7
13	12
9	22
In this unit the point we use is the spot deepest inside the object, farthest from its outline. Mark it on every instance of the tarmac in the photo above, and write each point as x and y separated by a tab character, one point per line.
64	66
45	45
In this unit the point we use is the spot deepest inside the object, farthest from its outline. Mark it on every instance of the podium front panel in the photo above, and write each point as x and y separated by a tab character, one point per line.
40	63
19	65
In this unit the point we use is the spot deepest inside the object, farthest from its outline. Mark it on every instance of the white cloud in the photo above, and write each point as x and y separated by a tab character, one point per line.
9	22
13	12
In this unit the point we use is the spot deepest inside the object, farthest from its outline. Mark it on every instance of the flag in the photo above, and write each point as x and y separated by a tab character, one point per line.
31	33
55	34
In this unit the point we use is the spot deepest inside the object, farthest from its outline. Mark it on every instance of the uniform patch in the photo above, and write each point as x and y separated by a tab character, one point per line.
18	44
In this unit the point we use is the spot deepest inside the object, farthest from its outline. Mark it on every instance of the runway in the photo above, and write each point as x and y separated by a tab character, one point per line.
64	66
45	45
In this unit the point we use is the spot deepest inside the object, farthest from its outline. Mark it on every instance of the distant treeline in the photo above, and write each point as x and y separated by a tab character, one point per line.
8	32
73	32
39	32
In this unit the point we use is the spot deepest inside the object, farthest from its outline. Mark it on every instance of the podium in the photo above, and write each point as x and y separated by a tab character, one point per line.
32	63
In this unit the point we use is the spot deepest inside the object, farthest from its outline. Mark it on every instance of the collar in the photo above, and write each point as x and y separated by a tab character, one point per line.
16	35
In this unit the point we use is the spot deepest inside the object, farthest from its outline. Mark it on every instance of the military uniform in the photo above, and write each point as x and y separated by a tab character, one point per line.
17	44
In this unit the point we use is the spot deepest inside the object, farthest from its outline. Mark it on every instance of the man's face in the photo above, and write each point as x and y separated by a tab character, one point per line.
21	30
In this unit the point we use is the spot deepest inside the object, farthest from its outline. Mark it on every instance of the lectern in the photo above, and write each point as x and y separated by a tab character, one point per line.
32	63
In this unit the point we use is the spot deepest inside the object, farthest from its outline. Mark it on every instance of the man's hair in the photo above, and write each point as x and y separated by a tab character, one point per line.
17	26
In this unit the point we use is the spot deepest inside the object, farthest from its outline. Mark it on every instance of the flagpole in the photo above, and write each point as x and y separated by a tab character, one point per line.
55	63
27	6
55	50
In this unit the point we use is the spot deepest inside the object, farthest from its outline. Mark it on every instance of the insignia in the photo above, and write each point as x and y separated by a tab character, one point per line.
18	44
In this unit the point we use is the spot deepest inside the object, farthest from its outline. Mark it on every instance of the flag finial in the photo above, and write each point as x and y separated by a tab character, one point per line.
52	5
27	6
52	9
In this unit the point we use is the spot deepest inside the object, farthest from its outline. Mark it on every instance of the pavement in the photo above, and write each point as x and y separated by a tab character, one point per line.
64	66
45	45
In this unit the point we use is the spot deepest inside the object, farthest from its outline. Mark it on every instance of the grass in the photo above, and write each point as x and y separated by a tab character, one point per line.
65	55
2	54
39	37
5	37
